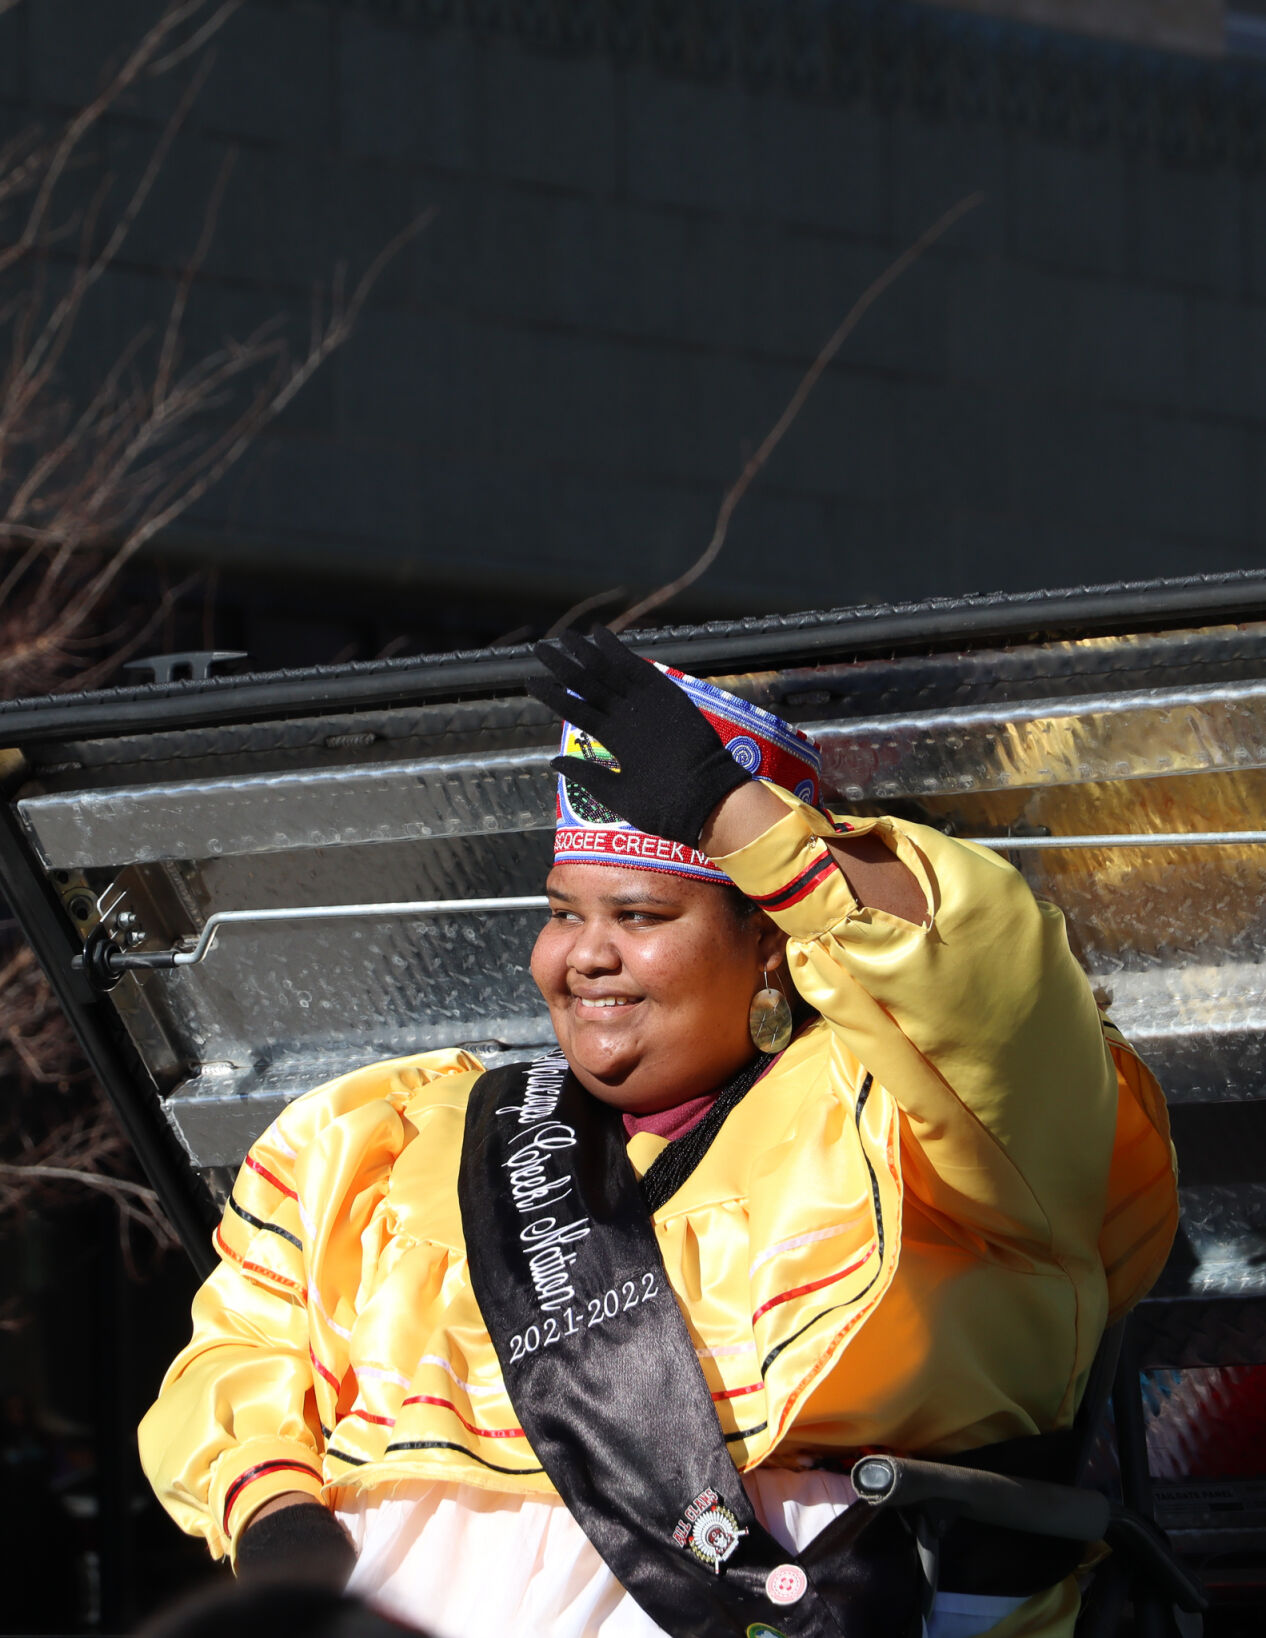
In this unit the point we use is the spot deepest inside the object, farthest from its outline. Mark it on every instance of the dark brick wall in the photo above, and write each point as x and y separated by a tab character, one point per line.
635	254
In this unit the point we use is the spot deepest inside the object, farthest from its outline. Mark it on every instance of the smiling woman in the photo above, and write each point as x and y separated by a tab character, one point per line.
649	978
588	1345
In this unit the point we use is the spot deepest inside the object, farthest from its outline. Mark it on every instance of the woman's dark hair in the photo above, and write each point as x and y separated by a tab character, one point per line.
740	905
743	910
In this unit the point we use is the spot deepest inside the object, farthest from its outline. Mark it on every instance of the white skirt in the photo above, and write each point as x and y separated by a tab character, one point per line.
462	1562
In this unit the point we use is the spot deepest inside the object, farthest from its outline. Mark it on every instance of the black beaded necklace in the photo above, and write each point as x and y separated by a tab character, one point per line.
674	1164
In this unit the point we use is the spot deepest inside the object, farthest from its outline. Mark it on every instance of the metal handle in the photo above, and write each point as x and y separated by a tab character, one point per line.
989	1498
105	961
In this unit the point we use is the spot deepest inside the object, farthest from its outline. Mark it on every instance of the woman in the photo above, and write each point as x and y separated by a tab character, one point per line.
522	1331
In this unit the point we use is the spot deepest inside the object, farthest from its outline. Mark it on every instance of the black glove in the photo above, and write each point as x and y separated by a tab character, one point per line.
674	767
300	1543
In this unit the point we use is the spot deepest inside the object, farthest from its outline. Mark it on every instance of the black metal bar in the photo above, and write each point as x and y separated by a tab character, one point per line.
33	902
749	644
1152	1616
116	1434
1167	1581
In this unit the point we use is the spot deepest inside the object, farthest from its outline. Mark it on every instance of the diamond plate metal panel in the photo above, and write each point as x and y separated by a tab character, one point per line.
434	797
274	813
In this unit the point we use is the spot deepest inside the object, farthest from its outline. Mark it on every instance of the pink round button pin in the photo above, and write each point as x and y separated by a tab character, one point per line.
786	1585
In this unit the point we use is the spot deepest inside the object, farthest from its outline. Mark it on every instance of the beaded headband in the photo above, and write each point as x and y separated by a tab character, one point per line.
761	743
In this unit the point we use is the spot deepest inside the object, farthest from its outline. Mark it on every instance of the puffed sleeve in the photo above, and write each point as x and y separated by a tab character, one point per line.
236	1421
978	1022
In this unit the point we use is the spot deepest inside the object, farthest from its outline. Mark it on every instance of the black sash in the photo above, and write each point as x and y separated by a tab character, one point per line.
604	1379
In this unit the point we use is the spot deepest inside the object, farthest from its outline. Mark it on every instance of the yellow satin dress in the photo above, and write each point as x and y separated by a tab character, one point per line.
926	1273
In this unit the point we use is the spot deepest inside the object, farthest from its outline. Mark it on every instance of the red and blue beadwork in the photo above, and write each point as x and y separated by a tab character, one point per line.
761	743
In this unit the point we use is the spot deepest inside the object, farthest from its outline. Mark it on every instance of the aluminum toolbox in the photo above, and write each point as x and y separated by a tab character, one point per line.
132	816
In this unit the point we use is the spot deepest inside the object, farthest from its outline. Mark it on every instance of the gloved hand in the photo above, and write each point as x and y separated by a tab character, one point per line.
301	1543
673	765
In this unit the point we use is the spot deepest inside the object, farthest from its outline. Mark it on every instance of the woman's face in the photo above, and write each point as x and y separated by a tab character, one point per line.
648	979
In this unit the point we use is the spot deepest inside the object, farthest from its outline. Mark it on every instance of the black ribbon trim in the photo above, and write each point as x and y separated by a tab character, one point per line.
604	1379
260	1223
740	1434
799	887
283	1464
835	1307
451	1444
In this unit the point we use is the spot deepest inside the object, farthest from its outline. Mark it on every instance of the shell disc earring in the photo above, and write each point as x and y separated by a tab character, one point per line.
769	1019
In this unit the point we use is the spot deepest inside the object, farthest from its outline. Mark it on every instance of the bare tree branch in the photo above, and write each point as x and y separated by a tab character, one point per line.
211	466
88	116
57	331
578	610
98	413
20	161
88	477
196	40
74	1174
758	458
121	646
180	303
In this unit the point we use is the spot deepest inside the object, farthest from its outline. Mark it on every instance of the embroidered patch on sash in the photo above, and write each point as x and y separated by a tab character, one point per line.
709	1530
761	1629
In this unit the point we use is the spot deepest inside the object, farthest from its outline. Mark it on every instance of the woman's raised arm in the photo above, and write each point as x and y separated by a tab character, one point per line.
955	988
877	877
938	971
